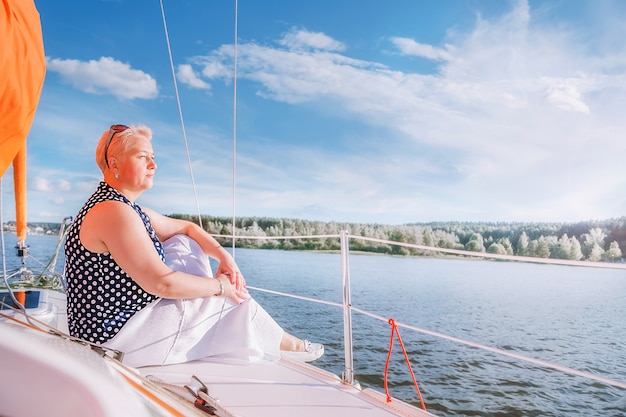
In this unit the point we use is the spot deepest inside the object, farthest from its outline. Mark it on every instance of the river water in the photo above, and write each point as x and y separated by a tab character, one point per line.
571	316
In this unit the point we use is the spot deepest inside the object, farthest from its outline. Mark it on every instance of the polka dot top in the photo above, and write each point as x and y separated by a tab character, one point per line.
101	297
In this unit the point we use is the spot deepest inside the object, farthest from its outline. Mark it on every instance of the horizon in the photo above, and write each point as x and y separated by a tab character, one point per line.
426	223
410	112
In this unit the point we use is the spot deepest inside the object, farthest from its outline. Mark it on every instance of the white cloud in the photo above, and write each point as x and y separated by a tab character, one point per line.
413	48
64	185
509	113
38	183
105	76
566	96
215	69
187	76
298	39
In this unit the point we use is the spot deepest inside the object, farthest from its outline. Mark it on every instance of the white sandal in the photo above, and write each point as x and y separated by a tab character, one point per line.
311	352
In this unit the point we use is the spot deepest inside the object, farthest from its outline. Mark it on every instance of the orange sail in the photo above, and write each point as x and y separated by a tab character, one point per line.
23	68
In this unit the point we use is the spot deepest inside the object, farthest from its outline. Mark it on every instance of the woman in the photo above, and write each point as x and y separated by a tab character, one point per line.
123	295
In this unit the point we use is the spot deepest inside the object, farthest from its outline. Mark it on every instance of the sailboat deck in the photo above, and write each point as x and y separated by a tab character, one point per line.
284	388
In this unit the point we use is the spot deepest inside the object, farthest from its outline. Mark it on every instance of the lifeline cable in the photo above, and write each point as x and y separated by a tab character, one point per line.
542	363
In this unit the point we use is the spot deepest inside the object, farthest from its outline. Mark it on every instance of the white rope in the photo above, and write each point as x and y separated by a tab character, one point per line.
277	237
298	297
180	112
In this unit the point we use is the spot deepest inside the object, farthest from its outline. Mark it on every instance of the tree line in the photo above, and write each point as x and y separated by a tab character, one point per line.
590	240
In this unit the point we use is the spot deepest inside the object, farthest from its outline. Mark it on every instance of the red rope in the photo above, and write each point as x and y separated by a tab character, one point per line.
394	329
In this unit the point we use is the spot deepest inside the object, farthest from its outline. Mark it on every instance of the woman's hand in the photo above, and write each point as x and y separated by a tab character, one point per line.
231	291
167	227
229	268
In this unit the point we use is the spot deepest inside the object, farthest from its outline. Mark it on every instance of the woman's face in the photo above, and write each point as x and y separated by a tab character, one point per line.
136	166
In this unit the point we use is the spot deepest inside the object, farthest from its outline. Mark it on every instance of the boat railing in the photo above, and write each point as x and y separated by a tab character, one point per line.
348	374
345	237
37	273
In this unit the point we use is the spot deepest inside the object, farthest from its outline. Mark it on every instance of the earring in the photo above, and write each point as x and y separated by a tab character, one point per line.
117	176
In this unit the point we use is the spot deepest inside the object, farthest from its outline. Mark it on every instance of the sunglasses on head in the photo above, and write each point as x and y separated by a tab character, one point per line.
112	131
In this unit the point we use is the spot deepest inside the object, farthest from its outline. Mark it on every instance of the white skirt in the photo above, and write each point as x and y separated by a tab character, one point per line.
213	328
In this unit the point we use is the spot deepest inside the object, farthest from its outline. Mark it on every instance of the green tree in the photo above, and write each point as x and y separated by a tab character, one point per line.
522	244
595	255
429	237
576	253
496	248
593	243
506	244
614	253
563	248
539	248
476	243
447	240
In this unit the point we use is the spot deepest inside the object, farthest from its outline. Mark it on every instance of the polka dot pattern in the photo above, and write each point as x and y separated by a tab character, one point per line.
101	297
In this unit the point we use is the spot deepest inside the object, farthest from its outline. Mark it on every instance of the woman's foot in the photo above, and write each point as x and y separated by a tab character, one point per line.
307	352
300	350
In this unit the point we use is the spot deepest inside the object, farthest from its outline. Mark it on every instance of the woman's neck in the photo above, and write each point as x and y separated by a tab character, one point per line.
118	186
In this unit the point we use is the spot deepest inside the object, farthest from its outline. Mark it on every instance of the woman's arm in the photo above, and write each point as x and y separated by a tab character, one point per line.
167	227
116	228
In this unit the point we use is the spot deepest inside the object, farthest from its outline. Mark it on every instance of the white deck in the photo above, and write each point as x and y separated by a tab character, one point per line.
285	388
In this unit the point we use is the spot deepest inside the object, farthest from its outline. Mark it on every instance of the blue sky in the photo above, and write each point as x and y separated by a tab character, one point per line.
352	111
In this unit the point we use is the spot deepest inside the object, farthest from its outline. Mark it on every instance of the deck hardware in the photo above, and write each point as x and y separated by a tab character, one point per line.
200	392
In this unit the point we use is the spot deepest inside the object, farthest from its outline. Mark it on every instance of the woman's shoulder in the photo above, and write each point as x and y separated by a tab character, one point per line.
108	219
113	210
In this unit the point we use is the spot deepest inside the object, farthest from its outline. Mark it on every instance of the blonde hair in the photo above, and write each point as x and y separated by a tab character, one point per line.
119	143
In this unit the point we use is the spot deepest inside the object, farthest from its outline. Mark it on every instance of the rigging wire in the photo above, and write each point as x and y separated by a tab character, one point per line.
235	122
180	112
182	121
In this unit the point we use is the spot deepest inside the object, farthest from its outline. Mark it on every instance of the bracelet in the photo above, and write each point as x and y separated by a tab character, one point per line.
221	288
